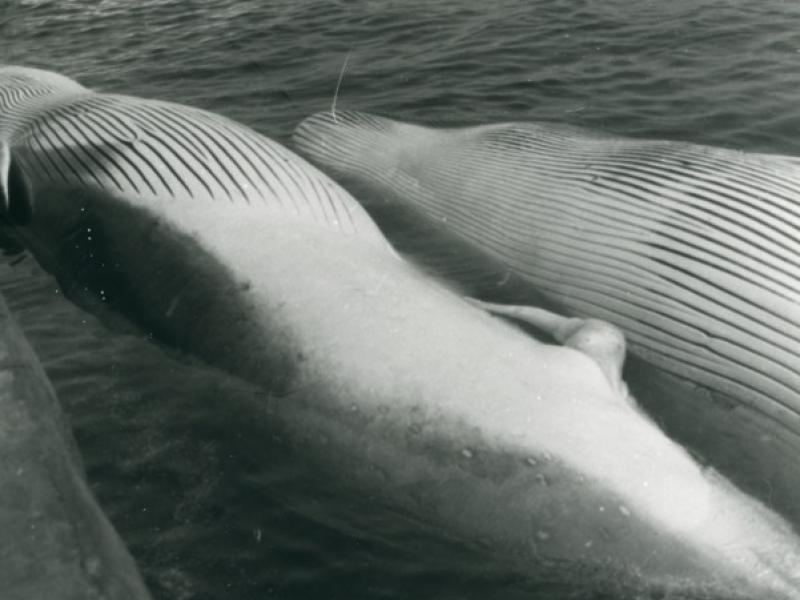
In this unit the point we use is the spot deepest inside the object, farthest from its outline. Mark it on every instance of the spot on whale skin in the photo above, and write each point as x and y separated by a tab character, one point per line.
172	306
92	566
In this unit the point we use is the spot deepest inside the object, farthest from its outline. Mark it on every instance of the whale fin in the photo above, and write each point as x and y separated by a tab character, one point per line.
5	167
15	205
599	340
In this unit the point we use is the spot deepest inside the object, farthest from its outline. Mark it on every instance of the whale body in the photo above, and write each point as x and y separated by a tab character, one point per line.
225	244
56	543
693	251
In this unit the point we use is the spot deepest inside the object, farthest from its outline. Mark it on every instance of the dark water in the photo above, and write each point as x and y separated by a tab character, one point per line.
210	506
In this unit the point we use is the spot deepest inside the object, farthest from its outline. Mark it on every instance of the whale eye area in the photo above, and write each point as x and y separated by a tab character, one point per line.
19	210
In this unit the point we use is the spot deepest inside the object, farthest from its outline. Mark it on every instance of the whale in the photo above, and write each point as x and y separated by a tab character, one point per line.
56	542
222	243
692	251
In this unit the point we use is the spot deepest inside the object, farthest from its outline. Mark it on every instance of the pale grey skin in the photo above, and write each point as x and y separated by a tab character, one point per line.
600	340
231	247
692	251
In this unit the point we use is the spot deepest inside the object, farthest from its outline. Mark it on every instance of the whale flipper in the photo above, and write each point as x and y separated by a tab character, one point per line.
599	340
5	164
15	200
